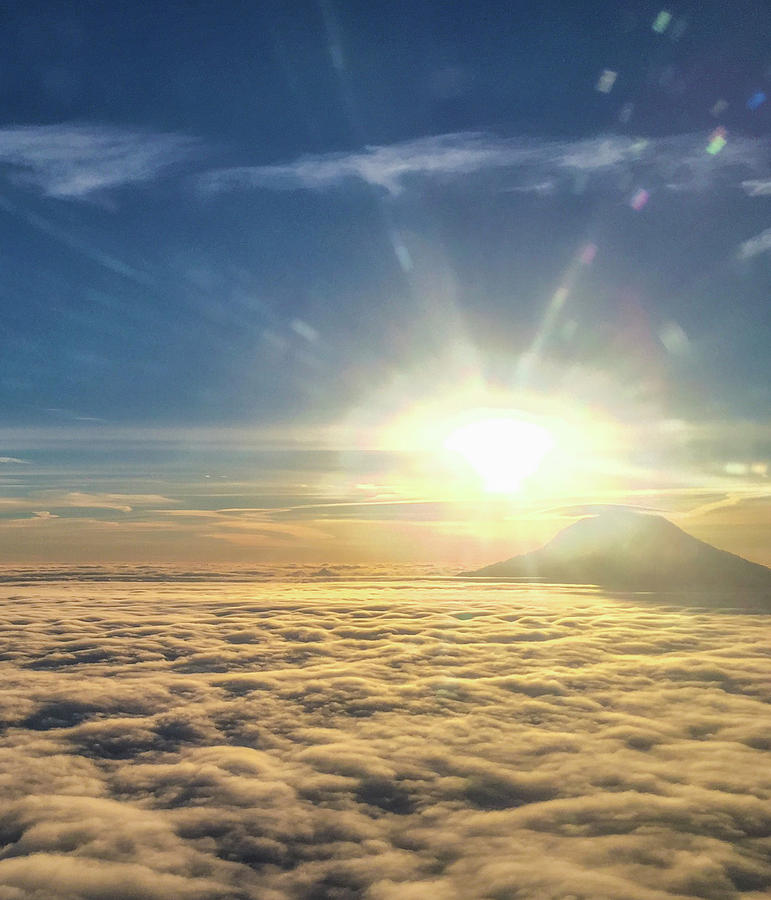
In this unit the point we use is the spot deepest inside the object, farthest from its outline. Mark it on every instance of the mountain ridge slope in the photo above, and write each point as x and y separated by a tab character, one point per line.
631	550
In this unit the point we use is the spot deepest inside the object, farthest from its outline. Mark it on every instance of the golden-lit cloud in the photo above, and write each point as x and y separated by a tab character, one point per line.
382	740
382	485
84	500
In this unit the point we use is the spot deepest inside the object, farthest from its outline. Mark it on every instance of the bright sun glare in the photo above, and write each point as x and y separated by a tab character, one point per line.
502	451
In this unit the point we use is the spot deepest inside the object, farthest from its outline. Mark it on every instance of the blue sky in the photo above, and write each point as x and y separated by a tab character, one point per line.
230	228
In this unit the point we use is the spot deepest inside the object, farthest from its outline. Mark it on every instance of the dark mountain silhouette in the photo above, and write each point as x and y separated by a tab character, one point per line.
631	551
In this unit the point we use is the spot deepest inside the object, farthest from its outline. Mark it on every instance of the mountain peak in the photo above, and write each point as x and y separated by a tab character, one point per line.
623	548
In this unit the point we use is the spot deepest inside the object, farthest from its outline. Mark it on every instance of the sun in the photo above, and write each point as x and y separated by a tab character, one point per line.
503	451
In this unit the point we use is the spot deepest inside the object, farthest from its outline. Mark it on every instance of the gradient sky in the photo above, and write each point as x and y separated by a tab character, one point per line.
257	258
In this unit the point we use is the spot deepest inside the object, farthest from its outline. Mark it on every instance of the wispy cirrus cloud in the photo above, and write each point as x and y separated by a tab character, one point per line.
757	188
760	243
74	161
677	162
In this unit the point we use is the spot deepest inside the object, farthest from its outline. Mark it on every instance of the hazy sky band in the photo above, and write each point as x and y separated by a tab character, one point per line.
286	225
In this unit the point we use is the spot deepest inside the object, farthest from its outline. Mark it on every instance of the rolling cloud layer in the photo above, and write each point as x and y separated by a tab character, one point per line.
380	740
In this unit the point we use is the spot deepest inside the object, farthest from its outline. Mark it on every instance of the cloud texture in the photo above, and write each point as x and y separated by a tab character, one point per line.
380	740
761	243
74	160
678	162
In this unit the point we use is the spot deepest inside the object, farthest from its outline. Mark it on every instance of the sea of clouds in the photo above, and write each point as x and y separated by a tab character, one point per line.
384	740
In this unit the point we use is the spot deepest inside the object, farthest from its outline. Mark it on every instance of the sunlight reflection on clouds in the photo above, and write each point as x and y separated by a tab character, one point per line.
380	740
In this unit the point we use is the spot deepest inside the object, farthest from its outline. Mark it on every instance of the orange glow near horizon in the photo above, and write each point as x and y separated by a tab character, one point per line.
474	441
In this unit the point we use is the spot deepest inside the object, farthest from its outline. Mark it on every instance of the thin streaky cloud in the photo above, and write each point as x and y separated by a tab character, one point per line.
92	252
757	188
13	460
83	500
455	155
107	260
74	161
729	500
384	166
761	243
